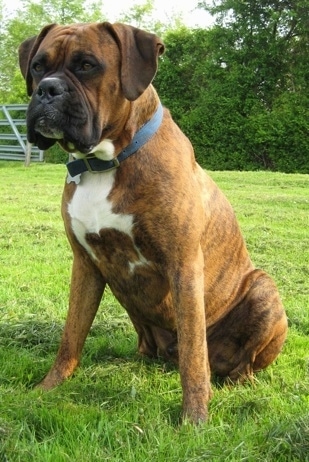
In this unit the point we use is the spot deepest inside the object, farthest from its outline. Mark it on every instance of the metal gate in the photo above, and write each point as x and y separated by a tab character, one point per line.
13	139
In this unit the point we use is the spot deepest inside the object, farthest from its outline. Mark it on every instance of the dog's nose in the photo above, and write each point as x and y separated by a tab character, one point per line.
50	88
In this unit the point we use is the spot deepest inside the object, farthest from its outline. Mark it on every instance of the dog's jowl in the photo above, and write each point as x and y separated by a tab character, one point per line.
142	216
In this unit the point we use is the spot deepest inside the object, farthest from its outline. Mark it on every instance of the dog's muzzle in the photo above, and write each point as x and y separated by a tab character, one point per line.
49	95
45	113
57	112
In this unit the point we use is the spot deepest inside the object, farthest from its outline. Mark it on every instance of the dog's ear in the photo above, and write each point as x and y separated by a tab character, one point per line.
24	52
139	54
27	50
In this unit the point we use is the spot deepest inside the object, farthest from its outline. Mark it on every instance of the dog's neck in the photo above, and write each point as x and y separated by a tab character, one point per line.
102	158
138	113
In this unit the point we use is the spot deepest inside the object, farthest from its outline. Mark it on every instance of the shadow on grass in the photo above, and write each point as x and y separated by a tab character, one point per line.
110	346
30	334
112	343
111	369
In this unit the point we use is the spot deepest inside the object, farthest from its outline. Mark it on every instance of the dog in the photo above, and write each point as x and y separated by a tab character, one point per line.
143	217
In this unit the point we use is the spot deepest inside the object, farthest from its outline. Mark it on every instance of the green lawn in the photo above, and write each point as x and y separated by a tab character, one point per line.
119	407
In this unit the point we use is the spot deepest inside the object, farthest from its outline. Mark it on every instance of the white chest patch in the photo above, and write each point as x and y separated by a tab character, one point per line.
104	151
91	211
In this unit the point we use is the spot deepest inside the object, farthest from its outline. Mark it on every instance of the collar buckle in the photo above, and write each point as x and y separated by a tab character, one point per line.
114	163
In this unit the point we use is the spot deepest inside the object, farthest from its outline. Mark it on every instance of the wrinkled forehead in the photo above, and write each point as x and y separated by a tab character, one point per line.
77	38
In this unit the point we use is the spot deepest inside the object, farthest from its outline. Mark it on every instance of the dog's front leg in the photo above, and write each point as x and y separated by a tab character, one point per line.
87	286
188	297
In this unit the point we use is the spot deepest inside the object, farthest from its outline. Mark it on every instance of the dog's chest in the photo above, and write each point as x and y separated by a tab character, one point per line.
97	228
109	240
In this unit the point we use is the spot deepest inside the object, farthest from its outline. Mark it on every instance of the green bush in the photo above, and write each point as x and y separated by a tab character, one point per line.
243	107
56	155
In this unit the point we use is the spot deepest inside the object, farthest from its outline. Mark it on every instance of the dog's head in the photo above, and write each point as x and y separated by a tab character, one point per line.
81	78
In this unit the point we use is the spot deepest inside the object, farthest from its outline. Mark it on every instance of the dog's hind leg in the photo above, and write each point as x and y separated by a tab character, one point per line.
154	341
251	335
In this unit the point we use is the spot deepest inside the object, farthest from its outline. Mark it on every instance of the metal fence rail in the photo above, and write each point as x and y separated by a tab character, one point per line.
13	139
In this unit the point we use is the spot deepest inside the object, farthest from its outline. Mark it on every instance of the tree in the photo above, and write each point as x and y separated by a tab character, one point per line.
1	12
141	15
243	85
177	78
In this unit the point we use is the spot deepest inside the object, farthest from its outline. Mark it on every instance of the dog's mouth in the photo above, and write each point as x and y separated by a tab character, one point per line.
44	127
47	125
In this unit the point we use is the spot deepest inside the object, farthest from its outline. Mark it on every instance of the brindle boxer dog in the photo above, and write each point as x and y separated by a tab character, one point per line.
142	216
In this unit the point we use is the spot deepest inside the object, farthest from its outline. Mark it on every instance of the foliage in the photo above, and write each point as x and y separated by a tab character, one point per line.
56	155
119	407
240	90
141	15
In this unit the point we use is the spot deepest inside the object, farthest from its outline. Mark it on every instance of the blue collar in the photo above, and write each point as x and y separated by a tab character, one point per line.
93	164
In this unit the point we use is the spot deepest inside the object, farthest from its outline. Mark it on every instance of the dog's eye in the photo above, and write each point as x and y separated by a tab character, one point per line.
86	66
37	67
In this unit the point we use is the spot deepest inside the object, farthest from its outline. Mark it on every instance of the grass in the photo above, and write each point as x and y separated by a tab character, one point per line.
119	407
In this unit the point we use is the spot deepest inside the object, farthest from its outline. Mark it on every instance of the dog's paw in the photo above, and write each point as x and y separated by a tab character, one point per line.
195	416
52	380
